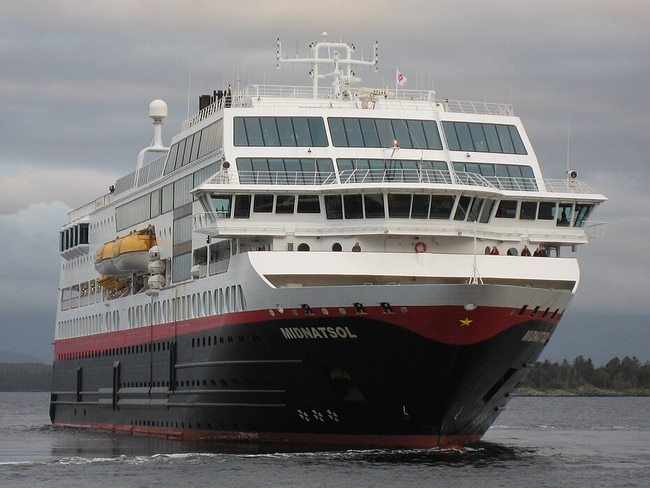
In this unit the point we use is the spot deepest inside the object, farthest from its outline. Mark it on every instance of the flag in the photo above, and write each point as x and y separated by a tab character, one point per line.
401	79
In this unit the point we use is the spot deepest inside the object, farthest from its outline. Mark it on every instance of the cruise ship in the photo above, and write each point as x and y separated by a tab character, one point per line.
327	265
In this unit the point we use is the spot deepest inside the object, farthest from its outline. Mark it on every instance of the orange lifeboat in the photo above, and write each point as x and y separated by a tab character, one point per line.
104	263
128	254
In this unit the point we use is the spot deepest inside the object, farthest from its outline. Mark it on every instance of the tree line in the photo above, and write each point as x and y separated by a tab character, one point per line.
626	376
25	377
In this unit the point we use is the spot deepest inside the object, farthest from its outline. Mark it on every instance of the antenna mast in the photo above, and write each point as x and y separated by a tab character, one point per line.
341	70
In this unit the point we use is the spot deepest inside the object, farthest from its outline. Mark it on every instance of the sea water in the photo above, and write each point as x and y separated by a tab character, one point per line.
535	442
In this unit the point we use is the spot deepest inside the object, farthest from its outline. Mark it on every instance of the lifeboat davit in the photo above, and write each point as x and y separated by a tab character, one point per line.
124	255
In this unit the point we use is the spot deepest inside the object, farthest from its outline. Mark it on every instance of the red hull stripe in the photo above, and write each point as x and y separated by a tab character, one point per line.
446	324
290	439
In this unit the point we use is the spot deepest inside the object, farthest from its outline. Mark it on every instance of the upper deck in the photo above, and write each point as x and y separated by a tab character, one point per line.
294	96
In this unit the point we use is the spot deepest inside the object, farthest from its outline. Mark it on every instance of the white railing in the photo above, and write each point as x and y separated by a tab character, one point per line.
388	176
595	230
568	186
259	92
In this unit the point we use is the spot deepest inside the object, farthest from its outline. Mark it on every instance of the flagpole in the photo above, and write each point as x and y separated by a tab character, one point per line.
396	81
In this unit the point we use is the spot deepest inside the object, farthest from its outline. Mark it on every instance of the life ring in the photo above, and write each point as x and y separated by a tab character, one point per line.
420	247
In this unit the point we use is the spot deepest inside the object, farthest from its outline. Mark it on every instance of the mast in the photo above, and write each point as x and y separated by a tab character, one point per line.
341	64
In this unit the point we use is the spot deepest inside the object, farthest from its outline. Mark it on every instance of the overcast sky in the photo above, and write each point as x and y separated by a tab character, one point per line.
77	77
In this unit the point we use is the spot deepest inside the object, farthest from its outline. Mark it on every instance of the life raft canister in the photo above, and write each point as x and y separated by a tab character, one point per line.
420	247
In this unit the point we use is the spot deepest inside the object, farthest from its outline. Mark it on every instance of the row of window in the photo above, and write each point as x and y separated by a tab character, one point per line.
162	200
399	205
310	171
386	133
506	176
284	171
280	131
212	302
493	138
195	146
73	236
376	133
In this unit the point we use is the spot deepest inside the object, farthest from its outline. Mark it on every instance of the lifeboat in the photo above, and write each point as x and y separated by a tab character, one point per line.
104	263
124	255
111	283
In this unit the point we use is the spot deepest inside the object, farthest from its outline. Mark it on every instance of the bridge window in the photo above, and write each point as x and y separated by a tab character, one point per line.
353	205
507	209
441	206
333	207
475	209
308	204
528	210
420	207
374	206
263	203
581	214
463	208
284	204
399	205
222	205
564	214
546	211
487	211
242	206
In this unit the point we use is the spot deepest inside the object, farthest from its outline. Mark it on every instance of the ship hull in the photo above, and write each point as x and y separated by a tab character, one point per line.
396	377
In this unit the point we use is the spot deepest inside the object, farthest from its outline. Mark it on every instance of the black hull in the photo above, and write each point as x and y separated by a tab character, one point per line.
369	384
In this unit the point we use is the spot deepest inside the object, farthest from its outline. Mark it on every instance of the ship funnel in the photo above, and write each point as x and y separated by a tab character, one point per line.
158	113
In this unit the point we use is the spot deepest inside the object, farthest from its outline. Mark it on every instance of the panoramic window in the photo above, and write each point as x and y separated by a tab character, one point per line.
280	131
395	170
506	176
475	137
364	132
284	171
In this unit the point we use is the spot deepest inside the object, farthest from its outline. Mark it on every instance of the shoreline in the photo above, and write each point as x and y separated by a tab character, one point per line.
532	392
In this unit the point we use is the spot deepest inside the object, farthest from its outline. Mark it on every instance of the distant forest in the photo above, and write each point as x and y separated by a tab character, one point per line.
618	377
628	376
25	377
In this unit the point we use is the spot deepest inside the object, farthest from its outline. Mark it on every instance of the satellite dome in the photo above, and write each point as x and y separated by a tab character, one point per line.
158	109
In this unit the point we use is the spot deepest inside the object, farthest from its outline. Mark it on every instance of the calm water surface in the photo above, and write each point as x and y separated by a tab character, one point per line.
536	442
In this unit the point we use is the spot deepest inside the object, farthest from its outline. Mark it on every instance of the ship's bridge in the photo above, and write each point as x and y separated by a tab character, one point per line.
419	202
